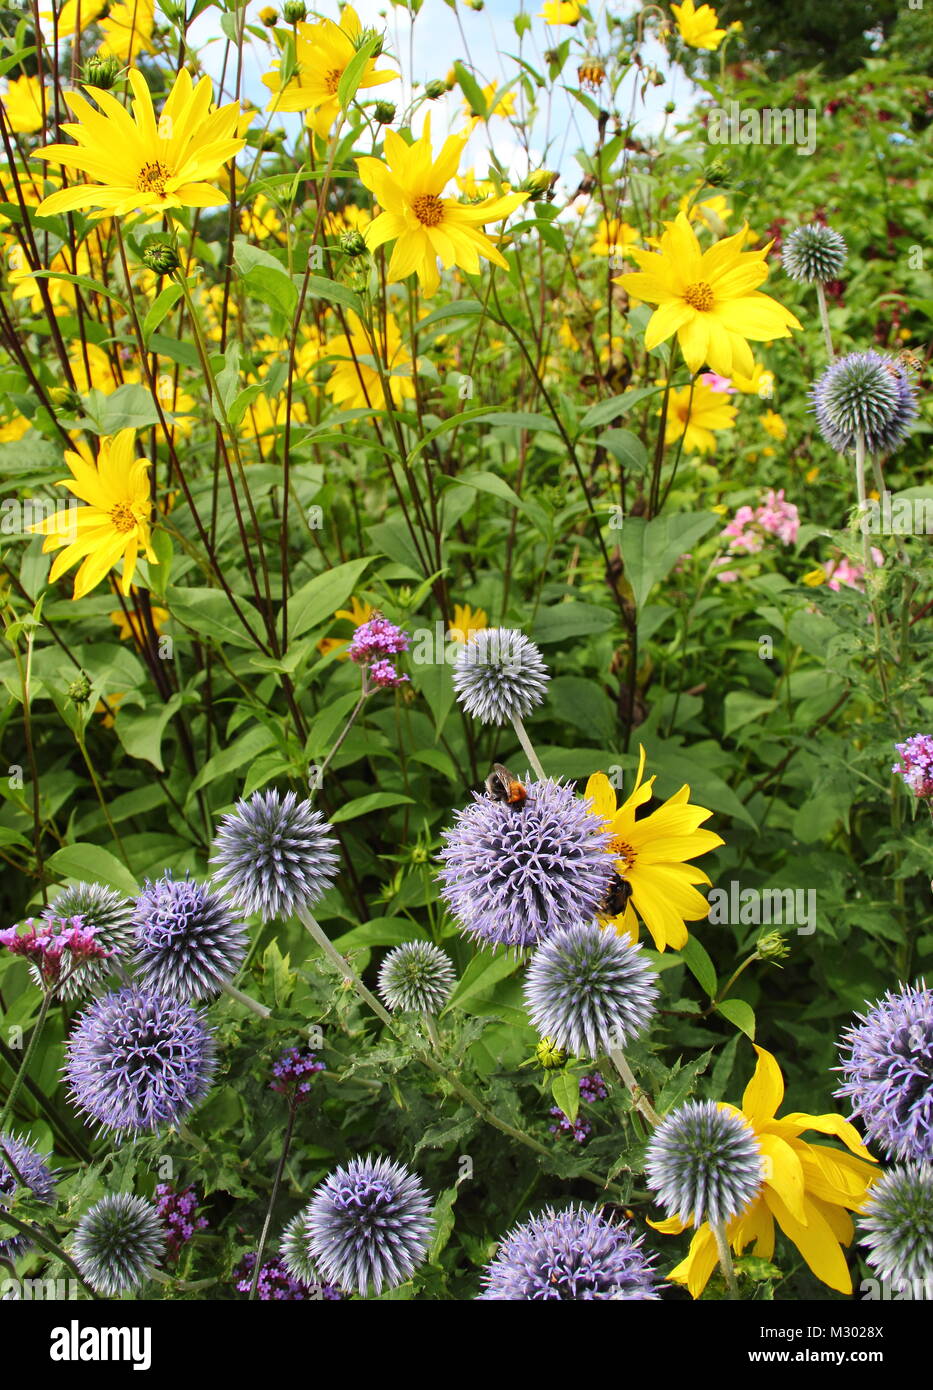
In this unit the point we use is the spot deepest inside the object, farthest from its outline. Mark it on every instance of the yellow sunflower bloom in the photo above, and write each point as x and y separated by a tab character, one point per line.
466	621
324	52
774	424
613	236
560	12
696	419
24	105
127	30
697	27
760	383
129	624
809	1189
708	298
651	855
132	162
424	225
113	525
355	383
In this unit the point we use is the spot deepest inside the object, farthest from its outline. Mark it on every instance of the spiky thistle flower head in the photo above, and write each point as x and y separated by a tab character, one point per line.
297	1261
704	1163
887	1063
867	393
368	1223
590	990
814	254
513	878
118	1242
499	674
572	1254
110	916
897	1228
138	1061
188	943
416	976
273	854
38	1177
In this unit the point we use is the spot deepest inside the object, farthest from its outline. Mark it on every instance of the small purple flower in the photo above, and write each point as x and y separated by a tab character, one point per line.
178	1211
384	674
514	878
273	854
889	1073
56	948
570	1255
377	638
368	1223
276	1285
292	1074
188	943
580	1128
139	1061
916	764
593	1088
38	1177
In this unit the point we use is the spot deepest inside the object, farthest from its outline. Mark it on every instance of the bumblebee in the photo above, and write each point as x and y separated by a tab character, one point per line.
502	785
617	898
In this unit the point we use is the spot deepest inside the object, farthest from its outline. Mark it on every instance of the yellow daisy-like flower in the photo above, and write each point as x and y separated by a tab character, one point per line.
809	1189
466	621
424	225
697	418
129	624
23	104
358	613
774	425
708	298
355	383
503	106
132	162
14	429
760	383
697	27
127	30
113	525
560	12
613	236
73	18
651	854
324	52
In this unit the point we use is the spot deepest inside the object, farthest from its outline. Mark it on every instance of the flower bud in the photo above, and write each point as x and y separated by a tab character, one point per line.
269	17
294	11
435	89
79	691
353	243
549	1055
100	72
159	256
772	946
384	112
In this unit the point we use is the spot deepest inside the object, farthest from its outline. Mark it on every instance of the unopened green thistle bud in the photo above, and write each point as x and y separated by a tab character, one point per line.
539	184
419	855
717	174
100	72
269	17
294	11
435	89
656	78
384	112
772	946
160	257
79	691
549	1055
353	243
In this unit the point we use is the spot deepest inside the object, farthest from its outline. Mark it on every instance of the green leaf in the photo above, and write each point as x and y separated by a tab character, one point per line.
141	731
93	864
380	931
697	960
471	90
443	1223
355	70
279	973
739	1013
160	306
585	705
239	754
484	970
320	598
565	1088
650	549
564	621
626	448
681	1083
207	613
364	805
129	407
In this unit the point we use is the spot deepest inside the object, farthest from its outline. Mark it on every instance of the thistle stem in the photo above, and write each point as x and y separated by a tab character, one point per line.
24	1064
529	752
246	1000
276	1184
824	320
346	970
431	1026
725	1257
639	1099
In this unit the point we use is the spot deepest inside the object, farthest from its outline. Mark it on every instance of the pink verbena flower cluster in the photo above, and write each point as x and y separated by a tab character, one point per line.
373	643
916	764
44	943
178	1210
292	1074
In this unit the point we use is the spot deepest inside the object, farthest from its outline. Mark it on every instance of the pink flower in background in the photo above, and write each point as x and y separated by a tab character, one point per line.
778	517
742	536
715	382
839	572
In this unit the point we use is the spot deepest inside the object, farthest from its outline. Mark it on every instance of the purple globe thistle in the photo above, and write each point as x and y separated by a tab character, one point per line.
138	1061
897	1228
118	1243
865	392
177	1210
572	1254
814	254
110	916
38	1177
368	1223
273	854
416	977
188	943
293	1073
889	1072
916	764
513	878
704	1163
590	990
499	675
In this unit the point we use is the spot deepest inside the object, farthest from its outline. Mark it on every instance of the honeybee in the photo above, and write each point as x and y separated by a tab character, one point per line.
906	361
502	785
617	898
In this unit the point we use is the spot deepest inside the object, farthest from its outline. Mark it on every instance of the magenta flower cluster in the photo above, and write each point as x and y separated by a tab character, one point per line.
275	1284
373	644
292	1074
916	764
592	1089
178	1212
54	946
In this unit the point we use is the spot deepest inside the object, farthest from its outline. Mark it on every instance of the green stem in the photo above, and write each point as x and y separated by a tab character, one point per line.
725	1257
529	752
24	1064
824	321
639	1099
246	1000
34	1232
276	1184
